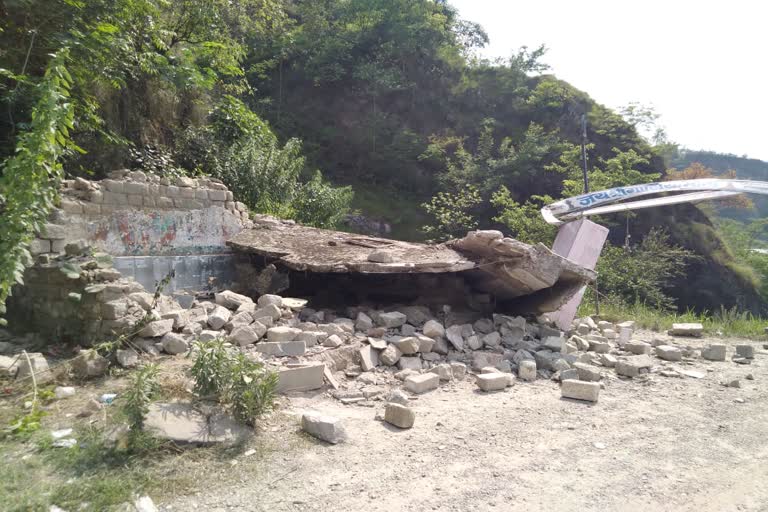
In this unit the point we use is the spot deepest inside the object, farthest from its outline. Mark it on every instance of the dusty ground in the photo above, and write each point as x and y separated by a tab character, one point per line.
657	443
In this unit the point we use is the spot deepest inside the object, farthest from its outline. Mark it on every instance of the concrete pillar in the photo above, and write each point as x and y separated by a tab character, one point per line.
580	241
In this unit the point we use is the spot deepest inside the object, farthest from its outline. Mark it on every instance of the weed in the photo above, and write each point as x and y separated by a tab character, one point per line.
246	387
139	395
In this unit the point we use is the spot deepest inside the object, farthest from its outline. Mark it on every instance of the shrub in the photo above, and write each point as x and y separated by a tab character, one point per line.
140	393
246	387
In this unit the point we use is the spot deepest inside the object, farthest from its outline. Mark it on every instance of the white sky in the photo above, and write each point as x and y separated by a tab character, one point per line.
702	64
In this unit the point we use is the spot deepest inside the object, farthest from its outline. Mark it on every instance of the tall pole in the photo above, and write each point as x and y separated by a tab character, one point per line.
586	189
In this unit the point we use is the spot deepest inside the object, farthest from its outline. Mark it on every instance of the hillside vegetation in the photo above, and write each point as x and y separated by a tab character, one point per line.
297	105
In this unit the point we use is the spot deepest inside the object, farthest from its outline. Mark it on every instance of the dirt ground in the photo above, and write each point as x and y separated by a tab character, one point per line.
656	443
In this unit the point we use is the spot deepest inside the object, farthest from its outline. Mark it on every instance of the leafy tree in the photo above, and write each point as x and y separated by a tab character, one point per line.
30	179
524	220
643	273
453	213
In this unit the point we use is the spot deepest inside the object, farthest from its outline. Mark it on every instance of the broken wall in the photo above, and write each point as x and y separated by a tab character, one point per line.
136	214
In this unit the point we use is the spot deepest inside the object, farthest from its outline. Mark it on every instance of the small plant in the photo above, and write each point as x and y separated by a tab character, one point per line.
210	368
136	399
251	392
247	388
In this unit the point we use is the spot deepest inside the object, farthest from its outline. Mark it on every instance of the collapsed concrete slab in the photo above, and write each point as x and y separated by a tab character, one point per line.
502	272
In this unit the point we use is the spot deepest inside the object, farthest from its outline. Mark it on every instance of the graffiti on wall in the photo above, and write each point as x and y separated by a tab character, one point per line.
163	232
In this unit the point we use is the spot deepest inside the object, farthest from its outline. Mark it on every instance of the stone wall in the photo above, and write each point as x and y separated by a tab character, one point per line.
76	298
138	214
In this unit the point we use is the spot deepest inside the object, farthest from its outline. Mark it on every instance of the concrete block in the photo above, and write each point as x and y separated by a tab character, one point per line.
399	415
422	383
433	329
714	352
459	370
218	317
281	349
391	320
38	246
408	345
688	329
443	371
300	378
369	358
632	366
247	334
492	381
669	353
747	351
326	428
157	328
391	355
580	390
638	347
588	372
526	370
282	333
409	363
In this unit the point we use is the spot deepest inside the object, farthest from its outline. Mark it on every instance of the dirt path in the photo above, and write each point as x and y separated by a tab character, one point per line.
655	444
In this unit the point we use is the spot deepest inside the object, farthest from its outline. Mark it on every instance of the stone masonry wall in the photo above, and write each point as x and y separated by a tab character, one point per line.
138	214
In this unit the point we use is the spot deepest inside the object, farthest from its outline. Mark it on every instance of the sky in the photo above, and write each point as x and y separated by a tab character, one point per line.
703	65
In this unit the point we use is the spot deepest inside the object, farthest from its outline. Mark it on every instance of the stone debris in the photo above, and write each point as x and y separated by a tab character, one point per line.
669	353
63	392
300	378
579	390
634	365
527	370
745	351
326	428
493	381
399	415
714	352
638	347
422	383
88	364
689	329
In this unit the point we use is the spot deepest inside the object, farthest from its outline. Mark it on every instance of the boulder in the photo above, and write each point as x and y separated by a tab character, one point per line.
127	358
408	346
433	329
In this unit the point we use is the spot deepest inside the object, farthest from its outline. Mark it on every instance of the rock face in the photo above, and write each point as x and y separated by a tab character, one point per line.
399	415
326	428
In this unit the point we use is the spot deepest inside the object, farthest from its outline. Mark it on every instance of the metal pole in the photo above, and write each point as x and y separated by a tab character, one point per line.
586	190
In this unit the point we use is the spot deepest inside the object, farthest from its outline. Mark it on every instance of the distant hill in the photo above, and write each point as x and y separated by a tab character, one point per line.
746	168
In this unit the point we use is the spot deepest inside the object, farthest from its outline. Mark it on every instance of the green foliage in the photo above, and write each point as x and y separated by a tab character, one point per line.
26	423
619	170
642	274
137	398
251	389
246	387
211	368
452	213
29	180
239	148
524	220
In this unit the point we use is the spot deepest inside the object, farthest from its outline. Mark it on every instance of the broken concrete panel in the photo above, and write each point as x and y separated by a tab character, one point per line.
300	378
182	423
369	358
490	263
